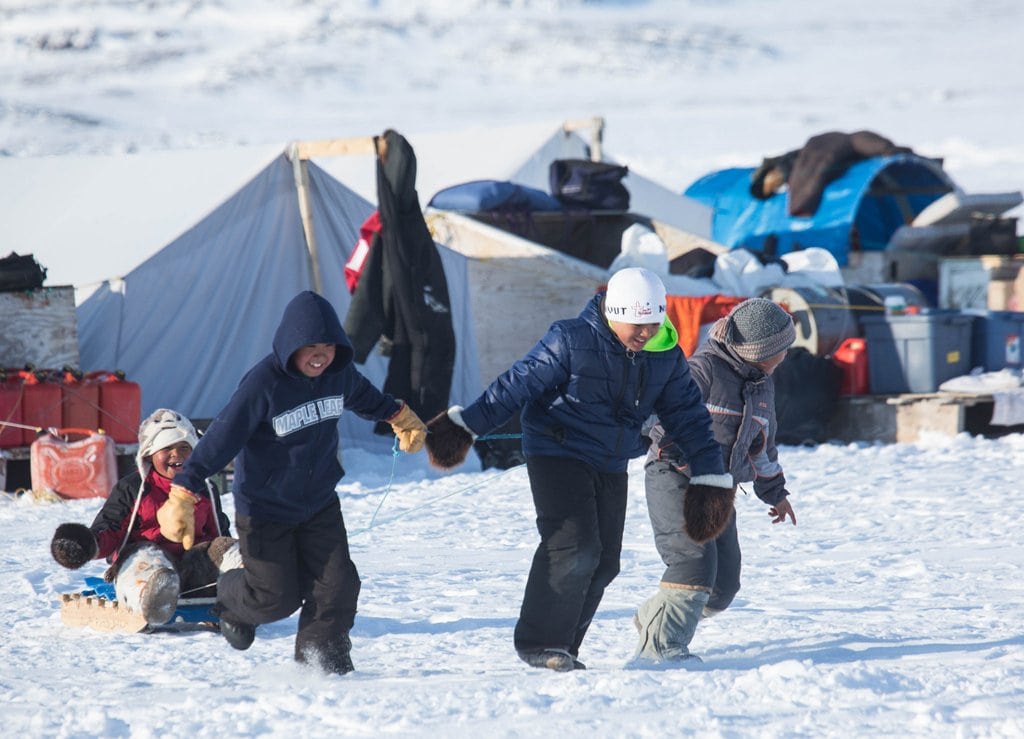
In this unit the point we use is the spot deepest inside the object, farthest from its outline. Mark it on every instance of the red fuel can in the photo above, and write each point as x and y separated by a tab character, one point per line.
40	405
82	467
852	358
80	402
120	404
10	410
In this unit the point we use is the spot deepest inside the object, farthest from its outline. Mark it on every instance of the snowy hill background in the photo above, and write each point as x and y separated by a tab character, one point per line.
686	86
894	608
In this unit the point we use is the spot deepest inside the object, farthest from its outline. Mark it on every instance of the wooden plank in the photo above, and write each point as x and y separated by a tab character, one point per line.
332	148
39	327
905	418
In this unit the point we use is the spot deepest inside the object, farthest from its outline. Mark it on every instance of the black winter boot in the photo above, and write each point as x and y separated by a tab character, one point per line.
334	658
558	660
239	635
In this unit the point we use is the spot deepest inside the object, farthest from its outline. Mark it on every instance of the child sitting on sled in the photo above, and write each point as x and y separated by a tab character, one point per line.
149	571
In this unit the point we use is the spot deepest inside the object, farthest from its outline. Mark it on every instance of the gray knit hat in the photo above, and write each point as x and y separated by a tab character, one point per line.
756	329
163	428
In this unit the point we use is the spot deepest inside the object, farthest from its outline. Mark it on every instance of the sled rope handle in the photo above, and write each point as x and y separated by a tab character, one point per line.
387	489
432	501
425	504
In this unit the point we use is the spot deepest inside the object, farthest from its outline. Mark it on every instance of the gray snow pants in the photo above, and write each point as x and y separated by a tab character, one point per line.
715	564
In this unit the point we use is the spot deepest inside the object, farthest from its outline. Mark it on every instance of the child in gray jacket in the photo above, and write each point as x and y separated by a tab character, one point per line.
733	371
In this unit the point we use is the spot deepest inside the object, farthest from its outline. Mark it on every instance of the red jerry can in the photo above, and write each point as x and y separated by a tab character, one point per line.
80	401
120	405
40	405
10	409
852	358
85	467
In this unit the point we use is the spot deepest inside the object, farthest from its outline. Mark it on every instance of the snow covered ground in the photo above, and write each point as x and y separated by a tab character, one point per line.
894	608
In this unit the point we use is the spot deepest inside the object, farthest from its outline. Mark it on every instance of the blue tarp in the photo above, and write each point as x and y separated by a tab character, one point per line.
859	210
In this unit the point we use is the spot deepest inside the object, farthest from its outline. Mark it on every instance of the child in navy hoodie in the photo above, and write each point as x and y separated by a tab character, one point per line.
282	423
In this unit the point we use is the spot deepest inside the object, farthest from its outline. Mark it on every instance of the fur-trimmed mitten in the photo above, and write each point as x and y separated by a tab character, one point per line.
707	506
449	439
73	545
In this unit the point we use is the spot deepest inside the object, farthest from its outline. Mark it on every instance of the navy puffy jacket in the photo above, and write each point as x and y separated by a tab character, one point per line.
583	395
284	426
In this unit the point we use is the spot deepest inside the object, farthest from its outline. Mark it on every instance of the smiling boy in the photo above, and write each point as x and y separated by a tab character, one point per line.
282	423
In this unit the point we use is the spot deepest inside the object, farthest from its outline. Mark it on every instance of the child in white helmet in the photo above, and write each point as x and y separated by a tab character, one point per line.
585	391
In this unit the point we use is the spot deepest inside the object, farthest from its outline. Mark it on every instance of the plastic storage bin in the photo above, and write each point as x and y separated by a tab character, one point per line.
996	340
916	353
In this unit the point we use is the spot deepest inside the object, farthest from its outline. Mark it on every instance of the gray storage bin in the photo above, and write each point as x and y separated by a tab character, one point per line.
916	353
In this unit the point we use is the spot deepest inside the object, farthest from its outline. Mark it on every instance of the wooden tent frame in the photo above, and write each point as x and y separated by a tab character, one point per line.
300	152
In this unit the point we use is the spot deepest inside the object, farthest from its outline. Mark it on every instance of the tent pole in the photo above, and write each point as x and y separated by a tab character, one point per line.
305	212
596	126
298	153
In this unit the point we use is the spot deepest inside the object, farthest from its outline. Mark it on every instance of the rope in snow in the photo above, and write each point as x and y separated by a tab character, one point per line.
428	503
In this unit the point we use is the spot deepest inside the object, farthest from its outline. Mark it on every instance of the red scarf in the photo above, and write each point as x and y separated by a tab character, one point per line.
158	481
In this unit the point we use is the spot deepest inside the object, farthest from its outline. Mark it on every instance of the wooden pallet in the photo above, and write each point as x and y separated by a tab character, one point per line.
904	418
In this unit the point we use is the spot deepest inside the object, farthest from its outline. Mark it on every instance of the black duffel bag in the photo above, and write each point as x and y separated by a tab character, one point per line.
582	183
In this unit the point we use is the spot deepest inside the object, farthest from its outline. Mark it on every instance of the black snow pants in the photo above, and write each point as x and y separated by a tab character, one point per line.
580	516
714	564
288	566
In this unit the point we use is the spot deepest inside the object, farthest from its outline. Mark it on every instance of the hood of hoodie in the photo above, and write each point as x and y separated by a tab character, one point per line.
310	319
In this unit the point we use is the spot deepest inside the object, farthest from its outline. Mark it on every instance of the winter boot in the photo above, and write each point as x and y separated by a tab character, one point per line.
159	598
667	622
339	661
335	658
558	660
146	583
238	634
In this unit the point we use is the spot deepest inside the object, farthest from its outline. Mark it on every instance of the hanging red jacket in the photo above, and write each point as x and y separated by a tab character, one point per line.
355	264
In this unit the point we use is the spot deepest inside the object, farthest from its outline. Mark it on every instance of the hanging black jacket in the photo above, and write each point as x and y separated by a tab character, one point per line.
402	294
826	157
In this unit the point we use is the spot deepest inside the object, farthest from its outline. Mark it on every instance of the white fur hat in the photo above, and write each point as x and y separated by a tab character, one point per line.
635	295
163	428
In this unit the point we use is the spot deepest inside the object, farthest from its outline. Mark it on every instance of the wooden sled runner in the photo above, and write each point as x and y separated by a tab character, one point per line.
96	607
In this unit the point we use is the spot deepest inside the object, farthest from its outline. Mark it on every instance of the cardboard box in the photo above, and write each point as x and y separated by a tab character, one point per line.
982	283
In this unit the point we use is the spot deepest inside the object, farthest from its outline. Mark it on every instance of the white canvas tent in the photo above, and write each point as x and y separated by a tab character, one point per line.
188	322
